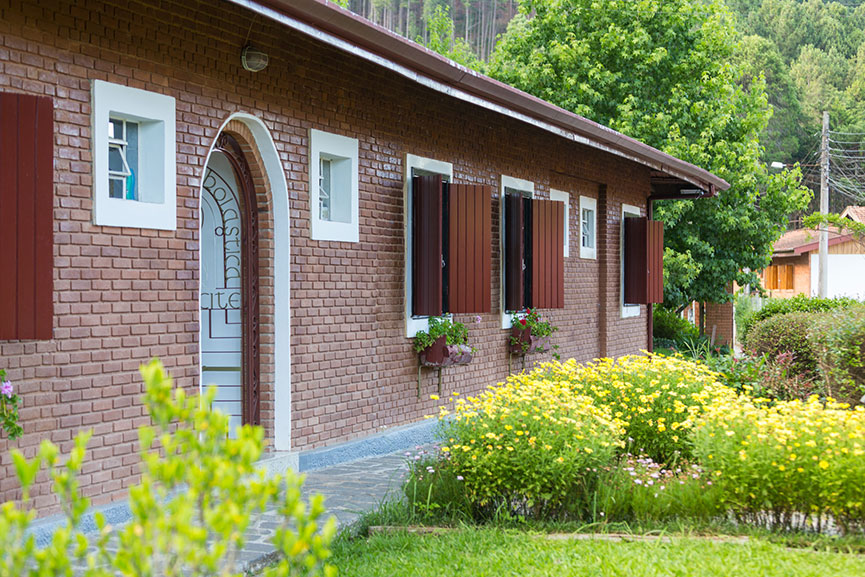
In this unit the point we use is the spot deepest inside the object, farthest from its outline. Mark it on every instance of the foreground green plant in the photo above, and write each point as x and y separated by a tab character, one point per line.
190	511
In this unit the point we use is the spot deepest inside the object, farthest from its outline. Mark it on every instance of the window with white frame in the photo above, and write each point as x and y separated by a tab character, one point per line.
588	227
333	178
526	189
564	198
416	166
122	159
134	164
628	310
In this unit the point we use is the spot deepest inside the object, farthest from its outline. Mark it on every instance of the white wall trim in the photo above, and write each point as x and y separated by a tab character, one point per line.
628	310
565	198
275	174
588	203
412	164
515	184
157	178
337	147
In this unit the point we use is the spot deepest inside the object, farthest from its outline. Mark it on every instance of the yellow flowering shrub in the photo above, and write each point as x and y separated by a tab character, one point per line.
793	464
656	398
529	444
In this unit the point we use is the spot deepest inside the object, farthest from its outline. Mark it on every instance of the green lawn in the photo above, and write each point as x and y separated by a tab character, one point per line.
480	552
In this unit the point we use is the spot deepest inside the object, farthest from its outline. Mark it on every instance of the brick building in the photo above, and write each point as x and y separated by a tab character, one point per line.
185	227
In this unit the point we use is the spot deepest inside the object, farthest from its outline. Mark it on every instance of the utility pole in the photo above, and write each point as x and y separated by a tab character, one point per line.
823	263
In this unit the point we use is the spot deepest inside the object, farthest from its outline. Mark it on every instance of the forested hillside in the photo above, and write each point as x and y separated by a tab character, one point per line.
811	53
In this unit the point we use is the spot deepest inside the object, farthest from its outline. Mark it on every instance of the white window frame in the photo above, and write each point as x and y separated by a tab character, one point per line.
588	203
524	186
628	310
416	165
156	207
342	151
565	198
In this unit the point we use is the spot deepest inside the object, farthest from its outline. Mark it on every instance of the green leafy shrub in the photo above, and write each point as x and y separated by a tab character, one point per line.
796	304
529	445
790	465
744	375
189	512
785	334
666	324
838	342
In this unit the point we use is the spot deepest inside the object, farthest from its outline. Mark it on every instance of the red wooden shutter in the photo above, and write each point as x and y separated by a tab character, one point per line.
514	252
548	286
427	245
470	251
644	261
27	209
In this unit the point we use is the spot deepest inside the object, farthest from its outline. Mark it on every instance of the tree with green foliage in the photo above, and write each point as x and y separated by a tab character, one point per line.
665	72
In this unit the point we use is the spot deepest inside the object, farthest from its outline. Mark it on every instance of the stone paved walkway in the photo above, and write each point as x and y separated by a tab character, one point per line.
349	490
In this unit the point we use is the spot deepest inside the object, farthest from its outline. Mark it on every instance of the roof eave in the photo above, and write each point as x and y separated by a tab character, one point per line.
386	48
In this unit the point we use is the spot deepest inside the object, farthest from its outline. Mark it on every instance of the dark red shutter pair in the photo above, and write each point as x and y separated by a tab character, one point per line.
26	217
644	261
534	253
452	244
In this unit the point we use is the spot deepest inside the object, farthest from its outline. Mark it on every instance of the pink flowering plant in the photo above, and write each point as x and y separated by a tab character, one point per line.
9	408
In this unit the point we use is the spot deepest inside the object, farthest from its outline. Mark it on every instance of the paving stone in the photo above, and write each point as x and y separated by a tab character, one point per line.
349	490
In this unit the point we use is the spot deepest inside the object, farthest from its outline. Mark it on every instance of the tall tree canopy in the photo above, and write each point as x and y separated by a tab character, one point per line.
666	72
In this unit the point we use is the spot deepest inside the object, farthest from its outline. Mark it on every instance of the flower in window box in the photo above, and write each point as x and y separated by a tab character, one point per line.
444	344
530	333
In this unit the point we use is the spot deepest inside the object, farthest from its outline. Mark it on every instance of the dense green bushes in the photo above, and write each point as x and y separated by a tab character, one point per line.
797	304
786	334
838	343
668	325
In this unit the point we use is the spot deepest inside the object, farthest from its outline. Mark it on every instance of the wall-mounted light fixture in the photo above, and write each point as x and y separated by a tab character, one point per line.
253	59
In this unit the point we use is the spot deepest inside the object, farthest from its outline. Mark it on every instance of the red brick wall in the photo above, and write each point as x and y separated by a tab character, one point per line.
719	319
125	295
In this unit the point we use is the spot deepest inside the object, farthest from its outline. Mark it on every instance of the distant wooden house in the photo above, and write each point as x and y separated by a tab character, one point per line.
794	267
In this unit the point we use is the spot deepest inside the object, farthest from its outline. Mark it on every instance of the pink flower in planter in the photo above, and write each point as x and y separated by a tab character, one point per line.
6	389
478	319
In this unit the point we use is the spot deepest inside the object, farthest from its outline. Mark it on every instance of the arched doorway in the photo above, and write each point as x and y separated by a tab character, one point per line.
229	296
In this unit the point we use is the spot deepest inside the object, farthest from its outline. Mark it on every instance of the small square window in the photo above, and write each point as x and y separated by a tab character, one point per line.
134	164
588	227
333	175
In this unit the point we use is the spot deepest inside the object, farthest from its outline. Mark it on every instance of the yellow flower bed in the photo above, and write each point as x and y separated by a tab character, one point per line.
792	464
529	440
655	398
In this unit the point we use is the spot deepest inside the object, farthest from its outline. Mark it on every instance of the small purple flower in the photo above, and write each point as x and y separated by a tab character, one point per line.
478	319
459	477
638	481
6	389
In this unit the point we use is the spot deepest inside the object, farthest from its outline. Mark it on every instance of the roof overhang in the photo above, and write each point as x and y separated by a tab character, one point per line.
351	33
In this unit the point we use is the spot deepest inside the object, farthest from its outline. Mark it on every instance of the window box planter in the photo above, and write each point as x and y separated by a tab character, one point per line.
523	342
441	354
